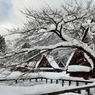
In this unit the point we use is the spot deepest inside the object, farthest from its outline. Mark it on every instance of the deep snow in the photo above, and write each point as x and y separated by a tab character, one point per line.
27	88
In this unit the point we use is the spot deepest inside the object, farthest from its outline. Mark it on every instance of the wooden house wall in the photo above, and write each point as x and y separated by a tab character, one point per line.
77	59
84	75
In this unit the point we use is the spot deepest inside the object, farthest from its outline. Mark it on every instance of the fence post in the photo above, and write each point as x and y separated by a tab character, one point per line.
56	81
77	83
88	91
46	80
69	82
51	81
36	79
85	83
62	82
41	79
30	80
16	81
79	91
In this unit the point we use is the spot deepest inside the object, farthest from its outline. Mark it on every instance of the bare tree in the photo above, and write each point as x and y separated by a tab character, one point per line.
73	26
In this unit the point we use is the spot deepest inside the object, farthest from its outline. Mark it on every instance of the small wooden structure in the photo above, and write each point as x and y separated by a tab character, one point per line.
47	64
80	65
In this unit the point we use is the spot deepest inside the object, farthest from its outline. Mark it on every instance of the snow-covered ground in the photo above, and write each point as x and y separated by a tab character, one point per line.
32	88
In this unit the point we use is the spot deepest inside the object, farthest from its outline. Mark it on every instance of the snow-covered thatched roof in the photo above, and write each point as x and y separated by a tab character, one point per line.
51	61
89	60
68	62
72	56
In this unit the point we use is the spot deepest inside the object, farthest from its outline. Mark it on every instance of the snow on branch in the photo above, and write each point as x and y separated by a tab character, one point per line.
71	25
73	44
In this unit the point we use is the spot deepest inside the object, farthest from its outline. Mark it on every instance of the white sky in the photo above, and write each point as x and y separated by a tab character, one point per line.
10	15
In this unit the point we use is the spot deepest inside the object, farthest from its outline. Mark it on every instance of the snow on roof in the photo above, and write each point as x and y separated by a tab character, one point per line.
89	60
69	59
37	64
31	63
78	68
70	43
41	68
51	61
85	55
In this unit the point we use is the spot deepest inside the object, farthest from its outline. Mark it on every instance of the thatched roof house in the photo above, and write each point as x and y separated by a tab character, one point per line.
47	64
80	64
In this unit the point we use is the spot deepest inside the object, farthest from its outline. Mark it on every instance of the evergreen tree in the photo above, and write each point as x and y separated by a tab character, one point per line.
2	44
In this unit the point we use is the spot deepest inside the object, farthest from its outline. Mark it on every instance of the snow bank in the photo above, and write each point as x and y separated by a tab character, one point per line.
15	74
32	90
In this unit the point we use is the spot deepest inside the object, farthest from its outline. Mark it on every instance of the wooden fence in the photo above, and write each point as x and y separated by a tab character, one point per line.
76	90
50	80
46	80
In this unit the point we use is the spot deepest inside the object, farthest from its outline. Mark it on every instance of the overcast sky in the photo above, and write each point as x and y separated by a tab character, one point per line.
10	15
